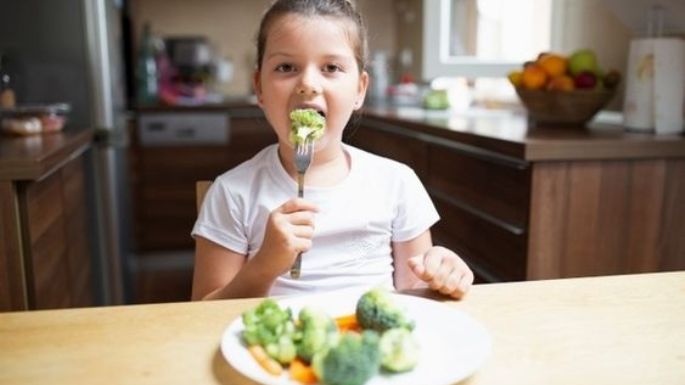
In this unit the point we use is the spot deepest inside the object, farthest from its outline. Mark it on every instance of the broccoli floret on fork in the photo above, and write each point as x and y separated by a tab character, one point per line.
306	125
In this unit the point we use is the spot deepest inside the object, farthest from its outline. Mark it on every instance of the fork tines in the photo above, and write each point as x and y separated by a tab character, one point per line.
303	155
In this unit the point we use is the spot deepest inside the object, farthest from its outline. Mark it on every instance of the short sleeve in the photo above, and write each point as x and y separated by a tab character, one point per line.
221	219
415	210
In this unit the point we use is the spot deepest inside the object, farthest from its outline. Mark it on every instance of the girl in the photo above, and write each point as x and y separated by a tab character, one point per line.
364	220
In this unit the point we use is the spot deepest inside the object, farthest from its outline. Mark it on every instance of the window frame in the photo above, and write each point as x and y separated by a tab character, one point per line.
437	61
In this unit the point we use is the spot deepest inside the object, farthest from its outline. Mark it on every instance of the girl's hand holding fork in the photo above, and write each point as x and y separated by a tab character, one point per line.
289	231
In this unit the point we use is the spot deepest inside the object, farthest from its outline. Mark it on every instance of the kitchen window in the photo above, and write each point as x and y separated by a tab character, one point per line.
483	38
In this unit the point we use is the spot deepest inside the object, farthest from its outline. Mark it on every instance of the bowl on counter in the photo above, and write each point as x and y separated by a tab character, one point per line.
563	108
32	119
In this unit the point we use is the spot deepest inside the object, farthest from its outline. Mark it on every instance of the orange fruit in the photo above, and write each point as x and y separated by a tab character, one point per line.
553	65
515	78
542	54
534	77
561	83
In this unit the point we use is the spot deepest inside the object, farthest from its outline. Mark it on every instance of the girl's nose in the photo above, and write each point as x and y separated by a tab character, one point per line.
309	84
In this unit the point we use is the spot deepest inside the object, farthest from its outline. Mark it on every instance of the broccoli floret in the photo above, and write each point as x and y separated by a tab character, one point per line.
283	351
376	310
271	327
354	360
399	350
306	124
318	331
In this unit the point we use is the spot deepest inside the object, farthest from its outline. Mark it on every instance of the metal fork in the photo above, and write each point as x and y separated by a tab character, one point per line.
303	158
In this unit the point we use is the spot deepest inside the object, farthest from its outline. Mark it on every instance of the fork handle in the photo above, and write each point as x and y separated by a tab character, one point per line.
295	268
300	185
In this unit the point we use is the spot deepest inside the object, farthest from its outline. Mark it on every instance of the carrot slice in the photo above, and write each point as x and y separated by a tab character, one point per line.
263	359
347	322
301	372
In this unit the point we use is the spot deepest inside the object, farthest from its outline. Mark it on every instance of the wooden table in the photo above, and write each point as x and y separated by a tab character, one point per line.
607	330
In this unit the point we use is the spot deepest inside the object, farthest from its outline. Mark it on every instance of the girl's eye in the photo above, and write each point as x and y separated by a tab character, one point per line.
332	68
285	68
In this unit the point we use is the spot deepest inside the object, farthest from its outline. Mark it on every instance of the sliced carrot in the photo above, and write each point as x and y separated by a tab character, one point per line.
347	322
263	359
301	372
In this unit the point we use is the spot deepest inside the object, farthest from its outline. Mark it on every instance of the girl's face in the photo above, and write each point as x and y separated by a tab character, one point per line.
309	62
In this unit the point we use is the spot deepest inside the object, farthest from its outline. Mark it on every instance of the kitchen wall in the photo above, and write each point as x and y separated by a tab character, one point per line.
409	31
394	25
232	26
589	23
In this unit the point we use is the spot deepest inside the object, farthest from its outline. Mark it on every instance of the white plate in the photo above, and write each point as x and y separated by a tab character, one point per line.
453	345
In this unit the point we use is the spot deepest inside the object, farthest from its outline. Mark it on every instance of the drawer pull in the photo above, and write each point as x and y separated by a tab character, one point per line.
514	229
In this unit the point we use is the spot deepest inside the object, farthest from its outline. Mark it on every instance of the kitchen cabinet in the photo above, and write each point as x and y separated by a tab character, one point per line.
521	203
164	172
171	149
45	259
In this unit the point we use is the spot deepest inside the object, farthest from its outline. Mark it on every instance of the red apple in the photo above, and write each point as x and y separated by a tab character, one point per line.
585	80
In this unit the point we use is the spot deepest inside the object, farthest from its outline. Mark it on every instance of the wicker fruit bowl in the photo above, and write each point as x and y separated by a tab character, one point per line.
563	108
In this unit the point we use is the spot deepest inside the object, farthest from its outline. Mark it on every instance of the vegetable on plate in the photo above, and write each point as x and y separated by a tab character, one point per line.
347	350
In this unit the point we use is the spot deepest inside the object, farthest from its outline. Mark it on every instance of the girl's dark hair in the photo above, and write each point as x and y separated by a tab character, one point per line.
335	8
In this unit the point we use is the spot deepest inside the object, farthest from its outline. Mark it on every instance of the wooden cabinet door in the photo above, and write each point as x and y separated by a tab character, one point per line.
46	244
56	241
77	235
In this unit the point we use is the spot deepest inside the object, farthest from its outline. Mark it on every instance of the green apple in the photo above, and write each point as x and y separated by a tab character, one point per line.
583	60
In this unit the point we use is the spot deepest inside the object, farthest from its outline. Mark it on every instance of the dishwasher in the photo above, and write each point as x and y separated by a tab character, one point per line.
183	129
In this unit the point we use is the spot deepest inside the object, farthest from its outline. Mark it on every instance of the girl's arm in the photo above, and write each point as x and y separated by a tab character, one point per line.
404	277
221	273
418	263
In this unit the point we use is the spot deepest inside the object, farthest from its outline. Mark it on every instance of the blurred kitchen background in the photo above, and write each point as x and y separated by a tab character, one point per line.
166	85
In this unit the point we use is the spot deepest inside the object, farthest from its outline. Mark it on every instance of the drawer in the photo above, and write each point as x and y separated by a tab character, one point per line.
493	253
403	149
494	190
182	129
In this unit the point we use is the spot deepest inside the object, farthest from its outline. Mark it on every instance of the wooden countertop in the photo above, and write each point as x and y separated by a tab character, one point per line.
604	330
32	157
502	132
506	132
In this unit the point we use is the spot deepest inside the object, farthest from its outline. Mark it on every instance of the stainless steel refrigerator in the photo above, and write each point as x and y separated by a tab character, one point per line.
73	51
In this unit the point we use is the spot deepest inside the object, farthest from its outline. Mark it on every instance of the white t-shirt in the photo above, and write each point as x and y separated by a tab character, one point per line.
378	202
